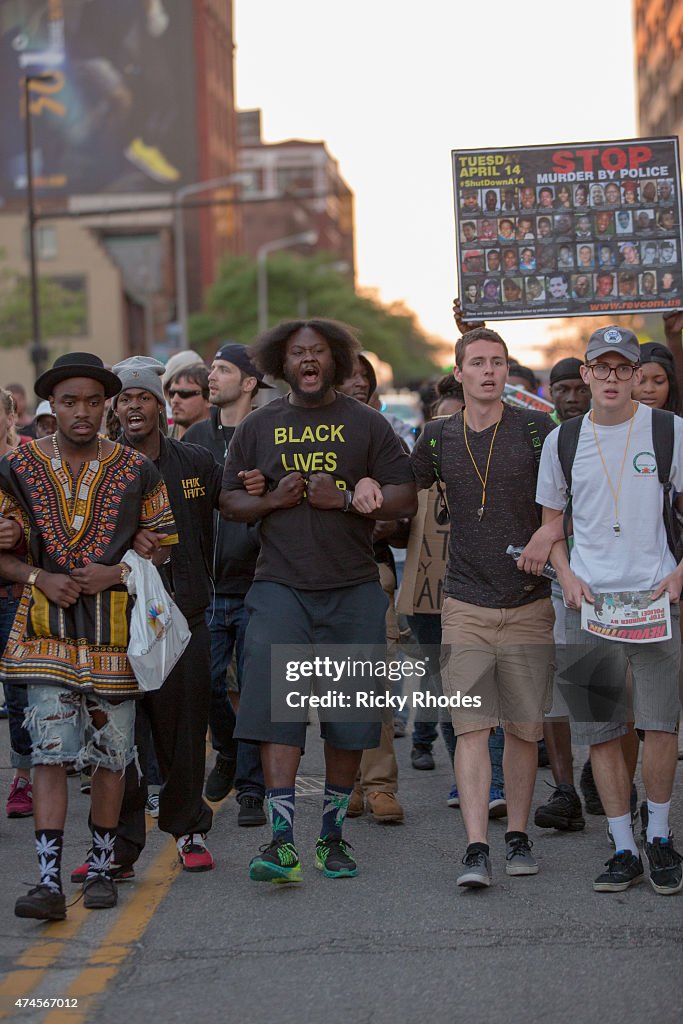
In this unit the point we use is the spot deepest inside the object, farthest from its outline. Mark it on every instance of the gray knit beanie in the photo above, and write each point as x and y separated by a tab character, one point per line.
141	372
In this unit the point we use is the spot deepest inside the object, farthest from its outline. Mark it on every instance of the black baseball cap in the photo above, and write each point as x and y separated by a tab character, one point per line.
566	369
238	355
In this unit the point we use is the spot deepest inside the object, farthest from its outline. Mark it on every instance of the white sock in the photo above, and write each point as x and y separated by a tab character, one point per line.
657	820
622	833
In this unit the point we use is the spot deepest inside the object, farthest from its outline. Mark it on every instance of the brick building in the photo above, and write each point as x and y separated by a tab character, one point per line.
139	106
292	187
658	26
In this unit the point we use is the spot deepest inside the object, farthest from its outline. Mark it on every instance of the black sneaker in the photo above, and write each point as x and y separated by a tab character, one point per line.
589	791
221	778
42	904
519	860
477	874
251	812
99	892
666	875
623	870
422	759
278	862
332	858
563	810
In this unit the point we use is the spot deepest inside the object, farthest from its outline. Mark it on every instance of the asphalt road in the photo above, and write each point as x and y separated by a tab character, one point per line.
399	943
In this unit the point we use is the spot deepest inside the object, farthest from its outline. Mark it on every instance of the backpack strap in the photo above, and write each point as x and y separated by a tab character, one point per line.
434	442
567	443
663	443
536	442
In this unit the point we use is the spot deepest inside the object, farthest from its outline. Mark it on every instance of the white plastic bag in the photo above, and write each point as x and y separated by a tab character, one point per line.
159	632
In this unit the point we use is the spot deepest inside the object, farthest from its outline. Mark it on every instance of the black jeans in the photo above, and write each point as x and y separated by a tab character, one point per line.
178	715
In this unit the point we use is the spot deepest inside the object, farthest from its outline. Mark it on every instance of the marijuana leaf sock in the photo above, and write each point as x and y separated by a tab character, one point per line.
335	806
49	843
280	804
102	851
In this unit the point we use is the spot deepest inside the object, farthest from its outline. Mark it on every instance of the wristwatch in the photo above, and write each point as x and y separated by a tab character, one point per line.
348	501
125	573
33	576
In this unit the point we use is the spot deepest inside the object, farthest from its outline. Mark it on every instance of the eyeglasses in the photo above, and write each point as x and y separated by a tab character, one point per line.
603	371
183	393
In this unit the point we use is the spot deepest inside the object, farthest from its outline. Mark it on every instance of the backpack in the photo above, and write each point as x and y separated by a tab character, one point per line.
434	441
663	443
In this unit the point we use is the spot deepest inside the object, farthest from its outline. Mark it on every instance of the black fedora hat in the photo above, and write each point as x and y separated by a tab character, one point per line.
77	364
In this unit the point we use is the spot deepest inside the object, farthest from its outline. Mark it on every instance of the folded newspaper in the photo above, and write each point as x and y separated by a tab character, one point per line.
630	616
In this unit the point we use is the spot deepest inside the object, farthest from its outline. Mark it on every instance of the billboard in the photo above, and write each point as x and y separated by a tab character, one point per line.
117	113
568	230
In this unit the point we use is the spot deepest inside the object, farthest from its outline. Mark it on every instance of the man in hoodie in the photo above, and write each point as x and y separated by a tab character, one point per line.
233	382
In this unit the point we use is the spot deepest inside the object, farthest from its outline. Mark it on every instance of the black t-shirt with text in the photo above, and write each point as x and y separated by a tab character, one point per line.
304	547
479	572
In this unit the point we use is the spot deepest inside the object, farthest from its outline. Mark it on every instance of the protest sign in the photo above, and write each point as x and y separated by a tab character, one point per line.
421	590
573	230
522	399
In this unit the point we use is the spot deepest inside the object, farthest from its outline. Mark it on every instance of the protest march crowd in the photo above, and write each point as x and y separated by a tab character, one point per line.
283	525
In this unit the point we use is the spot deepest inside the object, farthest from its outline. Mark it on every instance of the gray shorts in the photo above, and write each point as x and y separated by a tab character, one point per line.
312	621
559	709
592	679
62	730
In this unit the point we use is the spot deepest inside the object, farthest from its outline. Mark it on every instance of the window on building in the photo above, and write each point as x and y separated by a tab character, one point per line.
296	180
45	237
251	181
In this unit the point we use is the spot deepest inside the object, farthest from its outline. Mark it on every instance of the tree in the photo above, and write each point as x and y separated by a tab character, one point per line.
62	310
568	336
309	287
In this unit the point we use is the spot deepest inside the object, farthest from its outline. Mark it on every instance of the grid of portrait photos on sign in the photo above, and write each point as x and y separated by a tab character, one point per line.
568	243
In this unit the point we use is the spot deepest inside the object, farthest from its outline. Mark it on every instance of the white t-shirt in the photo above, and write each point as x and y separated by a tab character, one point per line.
639	557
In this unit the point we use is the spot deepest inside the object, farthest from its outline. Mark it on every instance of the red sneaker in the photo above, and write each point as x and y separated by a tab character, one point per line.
118	873
20	799
193	854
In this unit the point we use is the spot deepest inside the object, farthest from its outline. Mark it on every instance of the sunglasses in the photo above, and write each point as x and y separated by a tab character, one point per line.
183	393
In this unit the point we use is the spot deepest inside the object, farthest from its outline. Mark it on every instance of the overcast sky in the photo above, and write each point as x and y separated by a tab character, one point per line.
393	85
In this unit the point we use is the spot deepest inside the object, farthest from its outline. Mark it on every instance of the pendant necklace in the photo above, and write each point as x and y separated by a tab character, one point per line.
616	526
482	479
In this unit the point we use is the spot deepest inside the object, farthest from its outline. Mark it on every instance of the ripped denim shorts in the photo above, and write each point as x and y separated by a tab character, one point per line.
60	724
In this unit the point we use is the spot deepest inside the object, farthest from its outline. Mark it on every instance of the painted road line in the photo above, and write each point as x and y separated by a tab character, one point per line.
106	960
34	963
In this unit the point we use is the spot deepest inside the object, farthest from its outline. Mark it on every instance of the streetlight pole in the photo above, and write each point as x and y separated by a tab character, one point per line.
303	238
179	234
38	352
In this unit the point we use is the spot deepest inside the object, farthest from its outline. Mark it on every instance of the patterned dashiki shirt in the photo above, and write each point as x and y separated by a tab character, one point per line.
69	523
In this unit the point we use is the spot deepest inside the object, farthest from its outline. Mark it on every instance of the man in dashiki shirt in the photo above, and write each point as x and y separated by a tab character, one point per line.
71	505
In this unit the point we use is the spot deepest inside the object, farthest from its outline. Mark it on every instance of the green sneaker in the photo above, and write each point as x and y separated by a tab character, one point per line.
278	862
332	858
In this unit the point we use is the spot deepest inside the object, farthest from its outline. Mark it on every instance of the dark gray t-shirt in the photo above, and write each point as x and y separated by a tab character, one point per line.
478	571
304	547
